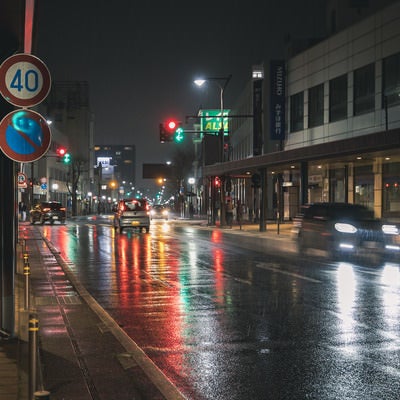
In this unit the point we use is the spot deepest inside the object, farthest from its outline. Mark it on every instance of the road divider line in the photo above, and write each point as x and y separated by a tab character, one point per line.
275	268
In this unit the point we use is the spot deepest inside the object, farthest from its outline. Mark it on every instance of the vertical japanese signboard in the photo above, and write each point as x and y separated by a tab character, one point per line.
277	100
257	117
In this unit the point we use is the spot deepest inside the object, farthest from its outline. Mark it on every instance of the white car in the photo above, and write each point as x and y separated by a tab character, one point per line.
132	213
159	212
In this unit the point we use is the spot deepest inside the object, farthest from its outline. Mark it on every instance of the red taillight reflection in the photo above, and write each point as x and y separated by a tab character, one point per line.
216	236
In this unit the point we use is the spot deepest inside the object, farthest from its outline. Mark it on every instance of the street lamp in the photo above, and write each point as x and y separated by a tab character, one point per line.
222	83
191	182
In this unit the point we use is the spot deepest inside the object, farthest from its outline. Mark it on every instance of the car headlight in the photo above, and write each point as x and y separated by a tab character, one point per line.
390	229
165	213
345	228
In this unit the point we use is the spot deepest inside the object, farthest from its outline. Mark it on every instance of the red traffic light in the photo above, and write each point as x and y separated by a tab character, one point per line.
61	151
171	125
171	130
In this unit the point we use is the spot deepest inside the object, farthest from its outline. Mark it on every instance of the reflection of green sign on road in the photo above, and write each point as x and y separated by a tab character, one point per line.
211	121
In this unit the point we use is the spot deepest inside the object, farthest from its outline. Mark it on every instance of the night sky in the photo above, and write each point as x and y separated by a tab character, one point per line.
141	59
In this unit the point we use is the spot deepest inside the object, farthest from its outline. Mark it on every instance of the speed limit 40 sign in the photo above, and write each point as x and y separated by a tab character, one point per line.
24	80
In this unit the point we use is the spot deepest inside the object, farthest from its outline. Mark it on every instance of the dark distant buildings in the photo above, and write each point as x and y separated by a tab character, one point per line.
118	166
72	125
68	111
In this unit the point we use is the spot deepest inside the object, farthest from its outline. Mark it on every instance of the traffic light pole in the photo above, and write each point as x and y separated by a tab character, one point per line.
221	135
221	158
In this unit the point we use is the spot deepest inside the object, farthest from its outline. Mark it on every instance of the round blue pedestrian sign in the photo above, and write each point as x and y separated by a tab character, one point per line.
24	135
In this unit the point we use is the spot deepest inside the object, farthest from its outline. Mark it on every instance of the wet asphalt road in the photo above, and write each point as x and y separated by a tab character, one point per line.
227	323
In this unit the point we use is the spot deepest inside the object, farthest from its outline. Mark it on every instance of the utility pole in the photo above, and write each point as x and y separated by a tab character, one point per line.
11	28
100	178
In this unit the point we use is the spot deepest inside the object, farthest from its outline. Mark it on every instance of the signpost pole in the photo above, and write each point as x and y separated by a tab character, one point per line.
31	192
24	137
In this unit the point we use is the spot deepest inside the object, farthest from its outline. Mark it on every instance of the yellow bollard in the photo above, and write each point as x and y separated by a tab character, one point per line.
27	272
33	343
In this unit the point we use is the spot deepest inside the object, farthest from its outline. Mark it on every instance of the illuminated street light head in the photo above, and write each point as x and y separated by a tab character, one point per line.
200	82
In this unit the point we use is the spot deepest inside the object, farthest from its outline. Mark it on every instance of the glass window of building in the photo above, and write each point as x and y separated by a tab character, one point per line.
391	190
364	89
391	80
338	184
364	186
297	112
338	98
316	106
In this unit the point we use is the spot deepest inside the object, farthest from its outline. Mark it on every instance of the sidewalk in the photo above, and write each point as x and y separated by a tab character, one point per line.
275	235
83	353
13	350
271	227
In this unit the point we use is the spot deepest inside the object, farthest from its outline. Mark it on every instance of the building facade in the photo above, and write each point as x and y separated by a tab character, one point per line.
349	87
341	121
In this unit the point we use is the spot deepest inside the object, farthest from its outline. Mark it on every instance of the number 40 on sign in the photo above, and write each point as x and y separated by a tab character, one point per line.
24	80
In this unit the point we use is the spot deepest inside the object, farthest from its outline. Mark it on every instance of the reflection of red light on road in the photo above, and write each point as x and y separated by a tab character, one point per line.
46	232
65	243
218	260
129	253
216	236
149	283
219	274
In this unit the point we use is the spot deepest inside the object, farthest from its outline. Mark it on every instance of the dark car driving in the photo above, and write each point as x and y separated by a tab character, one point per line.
342	228
47	211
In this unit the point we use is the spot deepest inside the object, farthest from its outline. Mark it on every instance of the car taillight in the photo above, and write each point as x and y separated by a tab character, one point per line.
47	209
62	208
122	207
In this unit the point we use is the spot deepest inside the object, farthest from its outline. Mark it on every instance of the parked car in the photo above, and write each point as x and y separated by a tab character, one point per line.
159	212
341	228
132	213
47	211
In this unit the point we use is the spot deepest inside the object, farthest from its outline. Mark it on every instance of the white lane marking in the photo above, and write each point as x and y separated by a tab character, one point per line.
275	268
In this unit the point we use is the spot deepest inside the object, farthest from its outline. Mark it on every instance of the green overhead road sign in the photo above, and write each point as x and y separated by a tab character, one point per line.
211	121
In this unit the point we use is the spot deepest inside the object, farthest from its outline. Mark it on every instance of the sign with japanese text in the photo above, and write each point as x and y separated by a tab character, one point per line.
22	180
257	117
277	100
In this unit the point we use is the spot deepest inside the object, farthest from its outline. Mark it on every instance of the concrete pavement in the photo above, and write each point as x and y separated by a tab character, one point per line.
82	352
